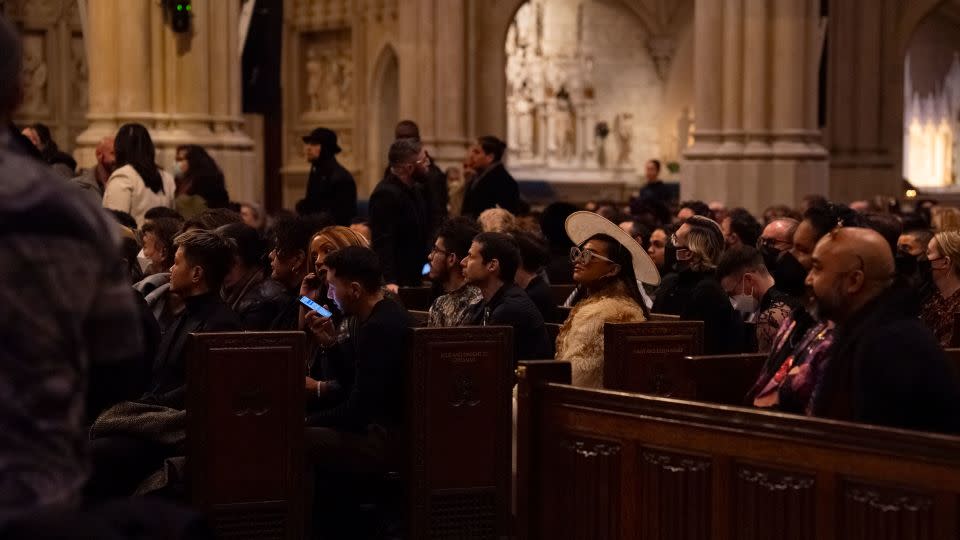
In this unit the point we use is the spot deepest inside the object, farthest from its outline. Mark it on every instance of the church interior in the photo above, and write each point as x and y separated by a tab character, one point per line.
592	269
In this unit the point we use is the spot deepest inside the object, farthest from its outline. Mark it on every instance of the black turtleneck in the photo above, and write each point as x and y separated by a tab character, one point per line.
698	296
203	313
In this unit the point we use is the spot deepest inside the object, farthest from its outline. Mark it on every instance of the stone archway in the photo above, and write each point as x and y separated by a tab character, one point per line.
384	107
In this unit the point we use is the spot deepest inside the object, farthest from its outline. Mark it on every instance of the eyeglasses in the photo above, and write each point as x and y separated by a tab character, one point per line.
435	249
584	256
674	240
772	243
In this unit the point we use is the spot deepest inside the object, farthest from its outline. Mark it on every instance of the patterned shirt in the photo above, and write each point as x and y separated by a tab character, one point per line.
455	308
797	359
938	312
65	303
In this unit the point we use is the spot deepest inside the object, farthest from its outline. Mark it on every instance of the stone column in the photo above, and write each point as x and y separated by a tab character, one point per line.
782	158
184	87
446	136
102	54
858	134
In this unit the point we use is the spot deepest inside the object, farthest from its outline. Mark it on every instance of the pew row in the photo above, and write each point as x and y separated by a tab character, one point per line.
245	408
245	421
600	464
459	416
646	357
416	298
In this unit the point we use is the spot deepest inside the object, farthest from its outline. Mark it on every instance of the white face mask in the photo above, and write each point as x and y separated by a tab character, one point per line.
143	261
745	303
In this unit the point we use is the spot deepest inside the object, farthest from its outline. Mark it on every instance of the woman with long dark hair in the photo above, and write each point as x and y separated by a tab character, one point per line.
200	182
608	266
138	184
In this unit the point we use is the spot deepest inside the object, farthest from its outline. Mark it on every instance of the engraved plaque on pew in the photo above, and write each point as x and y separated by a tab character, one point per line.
459	410
648	357
245	406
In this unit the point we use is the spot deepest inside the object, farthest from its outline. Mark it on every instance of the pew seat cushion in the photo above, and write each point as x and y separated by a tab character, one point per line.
580	341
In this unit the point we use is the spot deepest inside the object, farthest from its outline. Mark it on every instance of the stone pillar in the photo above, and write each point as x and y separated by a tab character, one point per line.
864	148
768	150
184	87
444	97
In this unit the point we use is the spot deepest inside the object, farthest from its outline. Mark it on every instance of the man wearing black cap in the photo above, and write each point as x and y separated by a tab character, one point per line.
331	188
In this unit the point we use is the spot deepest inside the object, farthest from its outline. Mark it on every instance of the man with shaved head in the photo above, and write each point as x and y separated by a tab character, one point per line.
884	367
94	179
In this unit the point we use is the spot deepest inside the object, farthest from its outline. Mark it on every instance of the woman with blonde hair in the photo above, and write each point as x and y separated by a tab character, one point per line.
943	253
694	293
497	220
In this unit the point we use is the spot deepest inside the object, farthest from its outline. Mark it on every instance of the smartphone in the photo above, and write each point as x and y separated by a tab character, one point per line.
426	269
315	306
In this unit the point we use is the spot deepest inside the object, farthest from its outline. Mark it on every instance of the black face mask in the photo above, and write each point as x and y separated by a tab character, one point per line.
669	257
906	264
790	275
770	255
925	269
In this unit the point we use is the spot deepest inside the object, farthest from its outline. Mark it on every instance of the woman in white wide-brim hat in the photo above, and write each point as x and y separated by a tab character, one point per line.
608	264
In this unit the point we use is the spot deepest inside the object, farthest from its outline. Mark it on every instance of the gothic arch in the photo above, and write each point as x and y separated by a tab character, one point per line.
384	109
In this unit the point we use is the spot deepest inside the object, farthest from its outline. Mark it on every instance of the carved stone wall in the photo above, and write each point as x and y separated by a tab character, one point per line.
55	67
585	83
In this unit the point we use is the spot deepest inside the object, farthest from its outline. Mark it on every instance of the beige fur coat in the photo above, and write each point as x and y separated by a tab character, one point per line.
580	341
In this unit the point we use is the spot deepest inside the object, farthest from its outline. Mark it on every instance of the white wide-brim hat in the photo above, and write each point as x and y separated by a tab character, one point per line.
581	226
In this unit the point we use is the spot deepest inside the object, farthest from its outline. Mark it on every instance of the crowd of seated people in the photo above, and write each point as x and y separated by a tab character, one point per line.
852	308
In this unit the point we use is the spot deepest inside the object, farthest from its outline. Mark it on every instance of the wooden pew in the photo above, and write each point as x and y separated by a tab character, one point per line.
245	407
560	293
416	298
600	464
563	312
723	379
655	317
955	338
553	330
648	357
459	414
420	318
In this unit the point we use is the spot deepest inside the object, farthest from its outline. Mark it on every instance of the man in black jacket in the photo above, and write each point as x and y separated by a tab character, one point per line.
202	260
491	265
355	435
331	188
399	218
433	184
492	186
885	367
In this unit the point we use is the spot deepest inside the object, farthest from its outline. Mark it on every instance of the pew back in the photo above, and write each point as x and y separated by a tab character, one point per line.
459	415
416	298
647	357
723	379
560	293
420	318
600	464
245	407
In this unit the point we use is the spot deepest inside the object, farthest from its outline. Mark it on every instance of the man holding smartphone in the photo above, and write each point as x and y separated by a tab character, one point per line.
354	437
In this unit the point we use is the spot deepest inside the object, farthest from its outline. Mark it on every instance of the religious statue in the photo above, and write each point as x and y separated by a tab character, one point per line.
315	79
78	58
684	125
565	128
34	75
624	130
524	117
345	85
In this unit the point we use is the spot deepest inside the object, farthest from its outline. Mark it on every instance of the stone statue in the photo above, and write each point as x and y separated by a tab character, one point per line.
526	23
78	59
624	130
315	79
565	129
34	74
684	125
334	79
524	118
346	85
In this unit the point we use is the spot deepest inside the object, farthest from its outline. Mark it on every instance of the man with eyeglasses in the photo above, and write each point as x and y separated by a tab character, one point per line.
458	299
885	367
399	216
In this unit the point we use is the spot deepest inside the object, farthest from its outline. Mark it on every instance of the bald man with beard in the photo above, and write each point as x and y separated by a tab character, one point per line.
885	367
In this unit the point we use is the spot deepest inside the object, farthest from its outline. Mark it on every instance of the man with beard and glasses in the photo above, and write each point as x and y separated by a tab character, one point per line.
885	367
399	216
